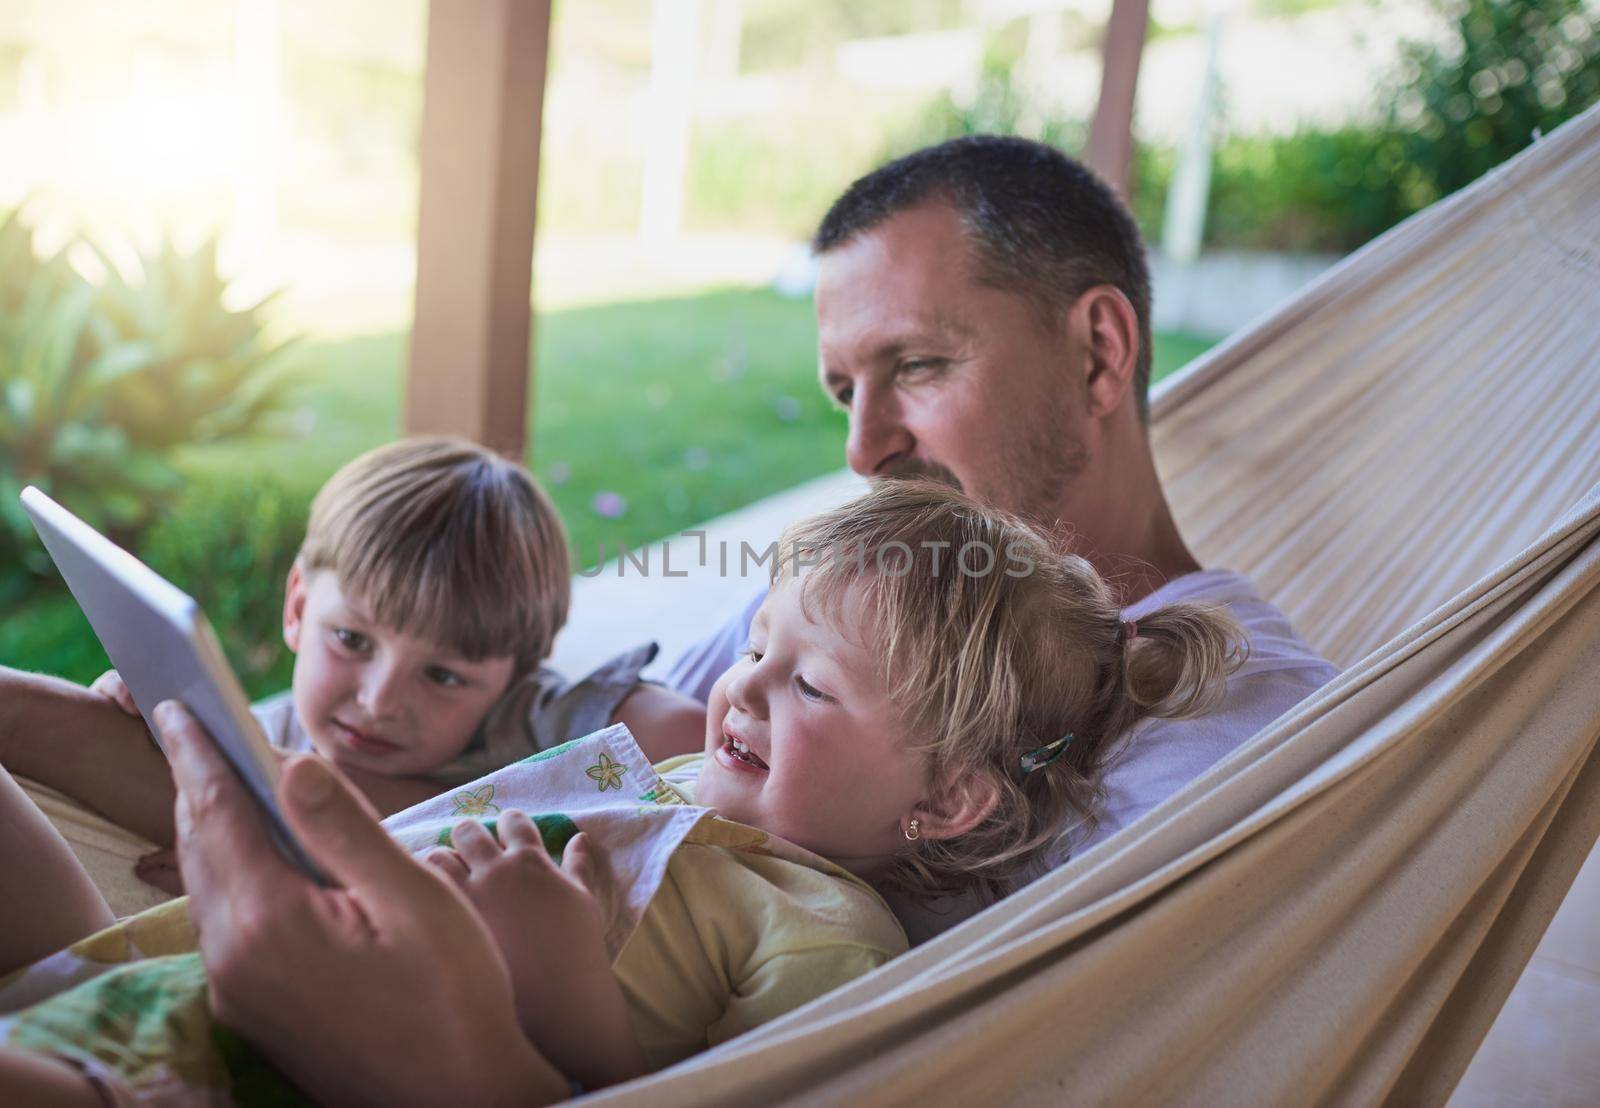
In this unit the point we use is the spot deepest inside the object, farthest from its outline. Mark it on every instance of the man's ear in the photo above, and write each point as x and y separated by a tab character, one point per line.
294	606
1104	322
956	808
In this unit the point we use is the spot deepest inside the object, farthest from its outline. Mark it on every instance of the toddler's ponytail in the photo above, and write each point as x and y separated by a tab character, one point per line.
1018	674
1178	659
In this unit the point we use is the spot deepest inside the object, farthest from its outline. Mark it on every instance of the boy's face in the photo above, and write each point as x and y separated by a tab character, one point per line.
372	697
803	741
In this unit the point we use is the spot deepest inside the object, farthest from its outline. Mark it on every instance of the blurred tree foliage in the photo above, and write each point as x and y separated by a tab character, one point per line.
102	382
1458	106
1507	70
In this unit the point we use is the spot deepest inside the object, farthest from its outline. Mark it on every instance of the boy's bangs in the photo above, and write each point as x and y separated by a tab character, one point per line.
471	613
445	542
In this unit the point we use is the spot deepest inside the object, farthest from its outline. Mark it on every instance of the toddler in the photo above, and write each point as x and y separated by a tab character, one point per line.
929	694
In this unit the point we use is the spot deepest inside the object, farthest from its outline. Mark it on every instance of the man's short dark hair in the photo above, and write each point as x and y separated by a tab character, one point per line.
1041	224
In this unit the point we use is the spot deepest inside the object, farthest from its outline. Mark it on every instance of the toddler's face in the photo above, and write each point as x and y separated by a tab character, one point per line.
372	697
802	740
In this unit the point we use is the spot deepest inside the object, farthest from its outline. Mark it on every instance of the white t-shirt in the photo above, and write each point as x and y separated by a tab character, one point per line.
1158	756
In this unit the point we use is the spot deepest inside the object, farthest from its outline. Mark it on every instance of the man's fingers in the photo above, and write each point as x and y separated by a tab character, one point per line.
340	831
222	838
474	843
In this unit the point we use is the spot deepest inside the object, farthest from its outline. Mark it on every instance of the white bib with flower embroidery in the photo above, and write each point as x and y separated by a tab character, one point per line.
602	785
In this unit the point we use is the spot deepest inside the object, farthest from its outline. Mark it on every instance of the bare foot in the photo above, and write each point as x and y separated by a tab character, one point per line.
160	868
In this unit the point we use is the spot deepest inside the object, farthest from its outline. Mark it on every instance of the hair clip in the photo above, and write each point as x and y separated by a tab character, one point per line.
1044	755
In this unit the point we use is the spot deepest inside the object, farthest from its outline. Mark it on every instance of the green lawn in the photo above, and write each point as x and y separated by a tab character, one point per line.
648	418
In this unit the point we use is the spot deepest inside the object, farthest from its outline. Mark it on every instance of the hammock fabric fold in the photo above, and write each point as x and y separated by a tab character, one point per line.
1336	913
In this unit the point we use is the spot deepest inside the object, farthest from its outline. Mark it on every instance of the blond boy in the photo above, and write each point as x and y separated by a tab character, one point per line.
431	583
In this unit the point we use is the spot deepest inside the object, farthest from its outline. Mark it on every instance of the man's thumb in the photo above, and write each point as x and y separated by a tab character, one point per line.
338	828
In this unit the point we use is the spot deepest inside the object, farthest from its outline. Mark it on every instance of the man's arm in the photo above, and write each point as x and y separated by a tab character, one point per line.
375	961
78	742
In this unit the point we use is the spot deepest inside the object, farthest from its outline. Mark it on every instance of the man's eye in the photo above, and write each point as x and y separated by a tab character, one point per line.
914	366
351	640
844	396
441	676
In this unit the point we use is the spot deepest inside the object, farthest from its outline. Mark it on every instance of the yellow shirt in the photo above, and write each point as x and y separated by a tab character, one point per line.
743	928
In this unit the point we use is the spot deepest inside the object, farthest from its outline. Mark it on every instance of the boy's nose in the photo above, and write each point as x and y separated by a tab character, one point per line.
379	694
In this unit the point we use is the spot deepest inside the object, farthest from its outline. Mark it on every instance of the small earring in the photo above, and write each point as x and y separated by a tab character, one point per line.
912	832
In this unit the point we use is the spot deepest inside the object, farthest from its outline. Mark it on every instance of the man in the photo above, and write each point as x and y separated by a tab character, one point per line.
983	317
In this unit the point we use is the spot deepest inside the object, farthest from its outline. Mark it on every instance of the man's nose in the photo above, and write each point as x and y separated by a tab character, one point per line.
878	435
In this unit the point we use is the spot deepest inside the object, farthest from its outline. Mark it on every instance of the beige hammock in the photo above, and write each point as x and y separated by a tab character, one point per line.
1336	913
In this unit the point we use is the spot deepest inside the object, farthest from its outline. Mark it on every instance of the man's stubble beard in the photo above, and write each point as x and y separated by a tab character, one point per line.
1031	481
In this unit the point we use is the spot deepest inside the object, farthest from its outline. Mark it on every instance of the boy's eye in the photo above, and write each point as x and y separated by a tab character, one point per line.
447	678
351	640
752	653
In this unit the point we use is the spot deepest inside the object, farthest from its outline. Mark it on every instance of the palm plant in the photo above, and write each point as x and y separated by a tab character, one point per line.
101	383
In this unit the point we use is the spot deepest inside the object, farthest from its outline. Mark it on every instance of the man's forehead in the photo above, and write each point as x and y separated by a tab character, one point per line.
883	331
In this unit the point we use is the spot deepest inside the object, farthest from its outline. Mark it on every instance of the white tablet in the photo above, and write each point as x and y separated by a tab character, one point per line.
163	646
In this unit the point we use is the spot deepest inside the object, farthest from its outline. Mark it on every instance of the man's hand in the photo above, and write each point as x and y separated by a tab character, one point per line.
388	990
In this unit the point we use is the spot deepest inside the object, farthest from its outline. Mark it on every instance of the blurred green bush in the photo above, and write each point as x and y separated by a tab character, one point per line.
228	543
102	382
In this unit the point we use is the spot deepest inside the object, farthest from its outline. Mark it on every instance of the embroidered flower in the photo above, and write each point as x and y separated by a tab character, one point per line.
475	802
607	772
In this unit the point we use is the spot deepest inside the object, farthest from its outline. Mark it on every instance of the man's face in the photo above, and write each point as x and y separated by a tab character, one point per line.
942	376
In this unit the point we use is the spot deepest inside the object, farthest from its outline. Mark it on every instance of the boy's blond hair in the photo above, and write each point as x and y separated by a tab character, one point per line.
993	645
447	541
